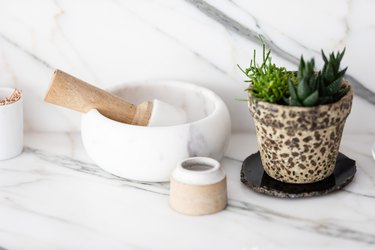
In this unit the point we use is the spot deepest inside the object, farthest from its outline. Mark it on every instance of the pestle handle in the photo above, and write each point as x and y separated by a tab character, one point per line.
70	92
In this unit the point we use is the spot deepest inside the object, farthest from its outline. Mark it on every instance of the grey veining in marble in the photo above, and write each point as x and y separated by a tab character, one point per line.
92	169
54	187
25	51
198	41
331	229
253	36
325	228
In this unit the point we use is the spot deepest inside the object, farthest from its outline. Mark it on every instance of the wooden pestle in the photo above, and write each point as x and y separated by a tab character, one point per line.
70	92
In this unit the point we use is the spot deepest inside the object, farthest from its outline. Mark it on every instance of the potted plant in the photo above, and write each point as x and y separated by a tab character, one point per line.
299	116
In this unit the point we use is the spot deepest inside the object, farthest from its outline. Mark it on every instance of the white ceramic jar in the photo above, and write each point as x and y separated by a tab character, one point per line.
151	153
198	187
11	126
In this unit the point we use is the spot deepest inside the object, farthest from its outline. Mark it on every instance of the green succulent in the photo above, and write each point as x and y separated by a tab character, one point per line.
305	92
268	82
331	89
325	86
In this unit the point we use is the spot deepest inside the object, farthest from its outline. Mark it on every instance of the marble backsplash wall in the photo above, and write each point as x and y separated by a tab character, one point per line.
109	43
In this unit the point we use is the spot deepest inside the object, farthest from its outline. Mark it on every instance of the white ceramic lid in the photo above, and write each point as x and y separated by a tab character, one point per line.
199	171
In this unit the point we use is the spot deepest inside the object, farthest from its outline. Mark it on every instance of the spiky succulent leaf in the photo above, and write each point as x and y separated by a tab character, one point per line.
341	73
292	90
303	89
301	68
305	86
305	83
324	57
333	87
313	82
311	100
294	102
340	55
325	100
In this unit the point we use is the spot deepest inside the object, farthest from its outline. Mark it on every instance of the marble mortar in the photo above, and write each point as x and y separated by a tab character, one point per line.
151	153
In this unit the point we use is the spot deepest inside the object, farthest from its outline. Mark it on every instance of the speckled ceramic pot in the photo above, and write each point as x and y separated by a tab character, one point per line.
300	144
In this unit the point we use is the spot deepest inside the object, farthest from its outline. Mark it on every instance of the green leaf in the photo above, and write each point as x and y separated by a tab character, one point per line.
313	82
312	99
304	87
341	73
324	57
292	90
325	99
301	68
243	71
333	87
329	75
294	102
303	90
340	55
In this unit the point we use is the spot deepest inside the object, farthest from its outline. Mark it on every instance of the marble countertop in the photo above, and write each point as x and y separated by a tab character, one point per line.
53	197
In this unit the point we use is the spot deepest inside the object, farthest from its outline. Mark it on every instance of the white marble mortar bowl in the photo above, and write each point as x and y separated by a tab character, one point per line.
151	153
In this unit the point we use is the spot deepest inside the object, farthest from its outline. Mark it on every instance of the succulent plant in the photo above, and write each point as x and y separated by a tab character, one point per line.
305	92
268	82
331	89
316	88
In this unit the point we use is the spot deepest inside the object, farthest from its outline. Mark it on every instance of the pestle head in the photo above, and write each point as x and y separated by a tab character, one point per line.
164	114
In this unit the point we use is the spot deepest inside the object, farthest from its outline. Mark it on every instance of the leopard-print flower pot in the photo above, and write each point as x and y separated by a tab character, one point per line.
300	144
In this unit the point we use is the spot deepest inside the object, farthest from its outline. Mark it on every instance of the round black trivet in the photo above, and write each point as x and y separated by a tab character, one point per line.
254	176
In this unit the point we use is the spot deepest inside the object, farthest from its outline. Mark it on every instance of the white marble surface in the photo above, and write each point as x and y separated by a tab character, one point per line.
111	42
53	197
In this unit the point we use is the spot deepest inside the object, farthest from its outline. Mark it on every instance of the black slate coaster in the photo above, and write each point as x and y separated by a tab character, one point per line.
254	176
